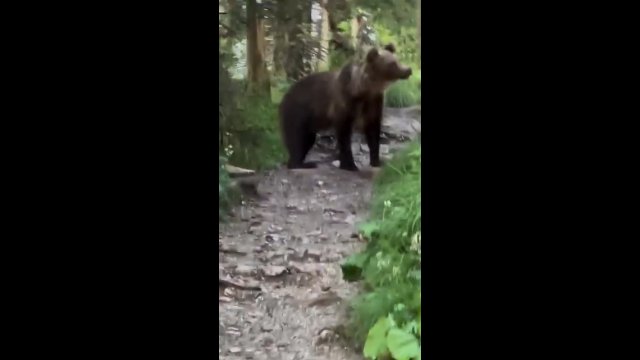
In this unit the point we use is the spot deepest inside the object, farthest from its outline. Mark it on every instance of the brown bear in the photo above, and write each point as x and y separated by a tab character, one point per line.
337	99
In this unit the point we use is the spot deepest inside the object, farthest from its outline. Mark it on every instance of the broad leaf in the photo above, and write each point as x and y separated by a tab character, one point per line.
368	229
402	345
376	344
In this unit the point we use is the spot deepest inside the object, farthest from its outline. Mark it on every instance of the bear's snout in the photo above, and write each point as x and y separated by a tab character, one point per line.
406	73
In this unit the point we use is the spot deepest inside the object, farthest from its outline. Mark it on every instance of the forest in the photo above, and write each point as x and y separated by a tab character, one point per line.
323	264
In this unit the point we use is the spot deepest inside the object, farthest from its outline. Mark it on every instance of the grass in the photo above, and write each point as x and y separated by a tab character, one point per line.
252	136
251	140
390	266
405	93
278	88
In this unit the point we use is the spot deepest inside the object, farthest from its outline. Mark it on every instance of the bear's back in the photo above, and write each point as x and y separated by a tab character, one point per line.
314	93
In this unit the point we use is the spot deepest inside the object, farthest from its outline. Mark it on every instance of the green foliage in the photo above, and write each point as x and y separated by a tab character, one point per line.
403	345
253	135
338	59
405	39
376	344
248	126
385	337
390	13
227	195
390	266
405	93
279	87
352	267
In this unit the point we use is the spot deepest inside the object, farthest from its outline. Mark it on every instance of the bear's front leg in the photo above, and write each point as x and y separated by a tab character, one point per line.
343	133
373	129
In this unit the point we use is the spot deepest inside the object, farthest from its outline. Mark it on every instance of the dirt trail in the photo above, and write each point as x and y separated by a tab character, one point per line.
281	294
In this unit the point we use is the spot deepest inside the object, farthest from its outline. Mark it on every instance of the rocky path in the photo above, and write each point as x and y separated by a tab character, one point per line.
281	293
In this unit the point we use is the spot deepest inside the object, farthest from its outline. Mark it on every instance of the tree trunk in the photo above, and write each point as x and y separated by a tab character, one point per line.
280	39
299	16
257	73
324	38
339	42
355	27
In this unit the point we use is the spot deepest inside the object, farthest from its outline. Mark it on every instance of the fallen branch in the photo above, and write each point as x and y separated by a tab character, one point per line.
235	171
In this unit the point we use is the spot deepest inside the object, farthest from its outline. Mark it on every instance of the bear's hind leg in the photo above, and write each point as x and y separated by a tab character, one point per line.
301	143
308	142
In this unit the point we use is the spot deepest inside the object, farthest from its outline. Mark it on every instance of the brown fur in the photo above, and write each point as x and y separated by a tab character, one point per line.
337	99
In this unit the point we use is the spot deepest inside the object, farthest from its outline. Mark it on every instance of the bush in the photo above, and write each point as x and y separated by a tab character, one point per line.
339	58
249	137
227	195
278	88
405	93
253	137
405	39
387	318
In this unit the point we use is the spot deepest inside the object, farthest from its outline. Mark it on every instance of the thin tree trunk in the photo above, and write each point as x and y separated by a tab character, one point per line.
298	16
338	42
354	32
324	38
257	73
280	39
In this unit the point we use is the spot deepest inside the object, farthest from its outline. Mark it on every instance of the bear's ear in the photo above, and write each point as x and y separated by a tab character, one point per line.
372	55
390	48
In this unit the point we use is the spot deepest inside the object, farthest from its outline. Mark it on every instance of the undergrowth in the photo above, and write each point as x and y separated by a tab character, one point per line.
227	195
339	58
252	135
387	317
278	88
249	138
405	93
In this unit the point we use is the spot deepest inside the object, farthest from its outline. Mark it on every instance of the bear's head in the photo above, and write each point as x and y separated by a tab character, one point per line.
383	65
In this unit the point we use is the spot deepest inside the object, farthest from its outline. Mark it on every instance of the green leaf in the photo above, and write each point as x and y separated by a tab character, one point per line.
368	229
416	274
411	327
352	267
392	322
402	345
399	307
376	344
